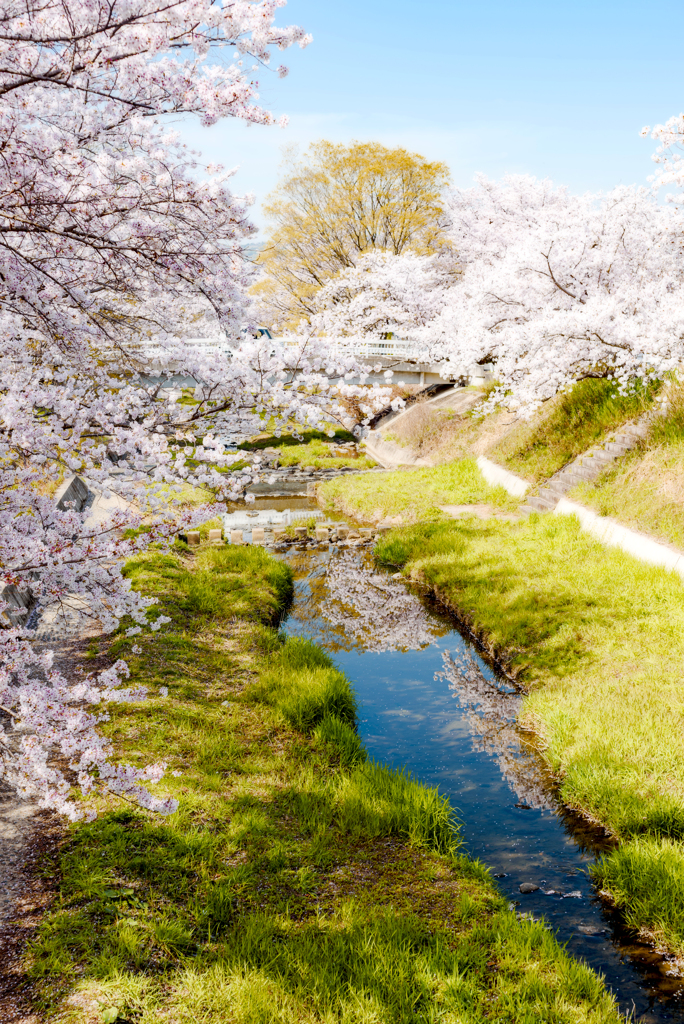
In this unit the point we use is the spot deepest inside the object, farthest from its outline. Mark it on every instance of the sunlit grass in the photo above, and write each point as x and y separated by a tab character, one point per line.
297	881
598	638
414	494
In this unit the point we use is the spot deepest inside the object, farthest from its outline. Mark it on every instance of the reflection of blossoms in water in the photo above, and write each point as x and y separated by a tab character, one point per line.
373	609
491	709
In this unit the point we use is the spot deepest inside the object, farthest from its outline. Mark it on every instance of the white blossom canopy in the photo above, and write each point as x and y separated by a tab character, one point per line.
113	245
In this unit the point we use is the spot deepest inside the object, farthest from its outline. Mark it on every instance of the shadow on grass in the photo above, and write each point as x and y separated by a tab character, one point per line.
287	440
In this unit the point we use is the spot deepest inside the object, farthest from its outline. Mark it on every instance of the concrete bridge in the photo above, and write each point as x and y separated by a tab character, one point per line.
396	354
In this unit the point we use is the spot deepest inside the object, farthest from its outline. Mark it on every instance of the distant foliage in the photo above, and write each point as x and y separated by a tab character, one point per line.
336	203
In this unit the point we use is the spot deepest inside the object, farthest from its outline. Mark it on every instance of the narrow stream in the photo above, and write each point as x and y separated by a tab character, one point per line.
430	703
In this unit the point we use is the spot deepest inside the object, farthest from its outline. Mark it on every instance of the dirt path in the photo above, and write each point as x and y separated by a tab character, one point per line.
29	836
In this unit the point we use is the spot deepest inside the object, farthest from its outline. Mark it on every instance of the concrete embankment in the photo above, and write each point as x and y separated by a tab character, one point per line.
608	531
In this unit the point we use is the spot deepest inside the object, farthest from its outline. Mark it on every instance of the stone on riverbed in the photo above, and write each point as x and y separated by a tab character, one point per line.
527	887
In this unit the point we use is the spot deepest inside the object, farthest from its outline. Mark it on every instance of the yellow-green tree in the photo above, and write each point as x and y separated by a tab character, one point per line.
337	202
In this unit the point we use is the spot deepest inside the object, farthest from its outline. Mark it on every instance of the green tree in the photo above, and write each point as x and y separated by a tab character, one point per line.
337	202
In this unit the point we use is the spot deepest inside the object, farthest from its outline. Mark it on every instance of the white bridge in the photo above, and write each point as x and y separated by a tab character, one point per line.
396	354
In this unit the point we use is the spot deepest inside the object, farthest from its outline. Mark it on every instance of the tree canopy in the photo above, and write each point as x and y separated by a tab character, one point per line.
336	203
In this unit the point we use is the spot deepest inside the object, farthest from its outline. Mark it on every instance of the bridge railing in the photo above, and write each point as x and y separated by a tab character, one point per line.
365	347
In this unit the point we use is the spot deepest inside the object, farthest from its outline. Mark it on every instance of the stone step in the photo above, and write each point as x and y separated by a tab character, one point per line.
558	485
628	439
598	458
580	476
550	496
617	448
540	504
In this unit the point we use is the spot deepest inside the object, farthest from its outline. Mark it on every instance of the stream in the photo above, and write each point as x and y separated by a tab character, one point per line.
430	703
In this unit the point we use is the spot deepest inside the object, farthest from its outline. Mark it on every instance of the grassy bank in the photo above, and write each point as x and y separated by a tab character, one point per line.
534	448
645	490
298	882
598	639
569	425
413	494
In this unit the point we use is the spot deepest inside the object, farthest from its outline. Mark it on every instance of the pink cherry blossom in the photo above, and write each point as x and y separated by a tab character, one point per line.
116	248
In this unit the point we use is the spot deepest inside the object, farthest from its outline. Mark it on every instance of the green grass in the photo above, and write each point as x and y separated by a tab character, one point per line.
297	882
598	639
314	448
645	489
413	494
318	453
573	422
646	880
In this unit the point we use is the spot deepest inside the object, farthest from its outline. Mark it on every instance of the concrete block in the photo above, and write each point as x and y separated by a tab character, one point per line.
215	536
279	534
193	538
321	533
366	533
384	527
258	534
236	537
20	603
342	532
72	495
301	533
497	475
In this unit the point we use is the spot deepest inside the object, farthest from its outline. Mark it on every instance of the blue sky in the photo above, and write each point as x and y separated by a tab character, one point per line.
551	90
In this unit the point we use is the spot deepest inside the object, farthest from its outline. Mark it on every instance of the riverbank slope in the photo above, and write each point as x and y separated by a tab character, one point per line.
596	639
297	881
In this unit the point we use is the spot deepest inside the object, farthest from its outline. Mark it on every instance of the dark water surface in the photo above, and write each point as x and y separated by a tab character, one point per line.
429	702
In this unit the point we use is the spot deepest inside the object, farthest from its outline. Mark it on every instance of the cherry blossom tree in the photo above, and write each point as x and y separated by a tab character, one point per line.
385	293
115	245
669	155
557	287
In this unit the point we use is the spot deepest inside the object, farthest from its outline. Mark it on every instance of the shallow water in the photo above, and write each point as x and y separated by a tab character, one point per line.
430	703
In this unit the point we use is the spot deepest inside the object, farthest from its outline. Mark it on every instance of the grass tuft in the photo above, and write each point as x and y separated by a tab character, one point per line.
304	686
645	878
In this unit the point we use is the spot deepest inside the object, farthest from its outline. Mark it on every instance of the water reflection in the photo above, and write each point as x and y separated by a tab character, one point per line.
374	609
428	702
490	707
